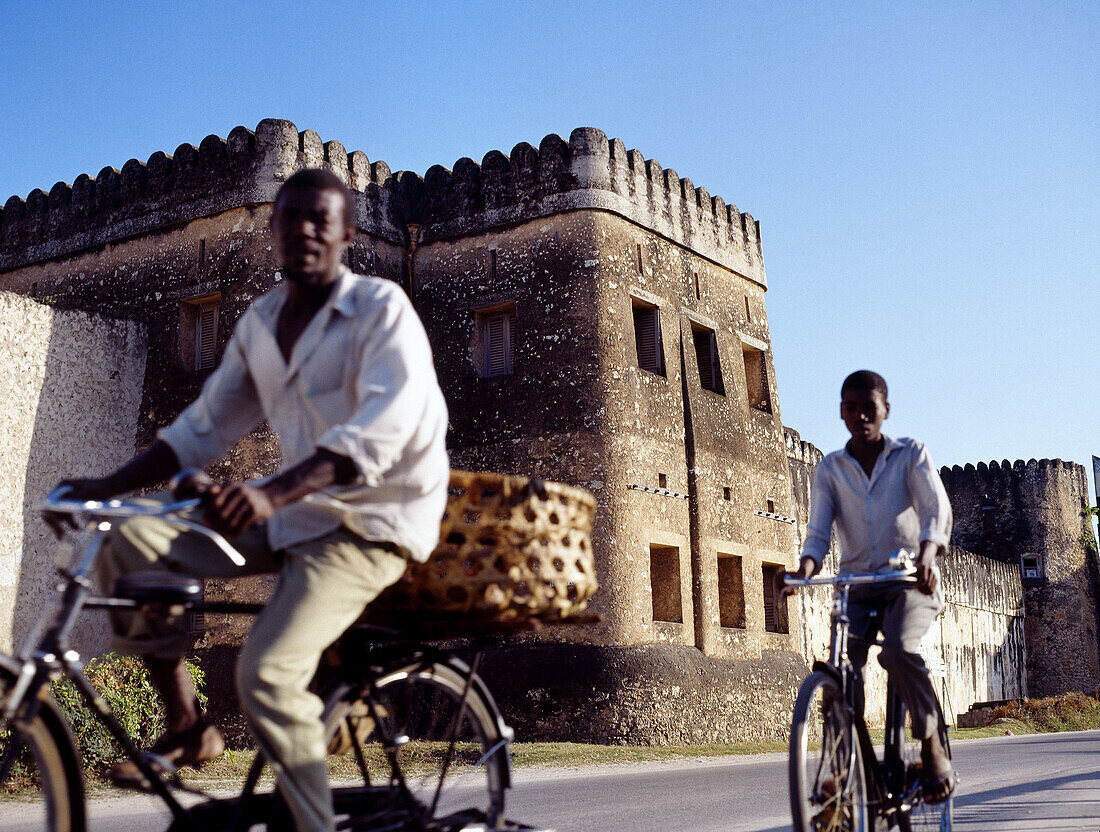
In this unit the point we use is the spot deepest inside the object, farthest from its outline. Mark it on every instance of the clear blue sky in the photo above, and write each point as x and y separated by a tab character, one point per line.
925	174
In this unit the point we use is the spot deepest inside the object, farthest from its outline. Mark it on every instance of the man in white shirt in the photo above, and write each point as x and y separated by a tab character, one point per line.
340	367
884	494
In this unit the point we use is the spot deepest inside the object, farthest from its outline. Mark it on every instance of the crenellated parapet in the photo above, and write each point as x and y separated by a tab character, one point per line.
587	172
247	167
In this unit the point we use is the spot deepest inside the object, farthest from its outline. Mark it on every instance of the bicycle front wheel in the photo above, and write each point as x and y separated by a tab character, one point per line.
41	781
827	787
449	759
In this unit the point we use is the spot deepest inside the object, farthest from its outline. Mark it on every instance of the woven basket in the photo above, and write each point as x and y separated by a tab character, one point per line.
510	548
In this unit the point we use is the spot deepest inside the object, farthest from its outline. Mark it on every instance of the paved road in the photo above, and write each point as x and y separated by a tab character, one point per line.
1010	784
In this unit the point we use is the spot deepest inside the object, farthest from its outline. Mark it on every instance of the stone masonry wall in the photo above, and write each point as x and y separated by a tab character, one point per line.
1036	511
71	386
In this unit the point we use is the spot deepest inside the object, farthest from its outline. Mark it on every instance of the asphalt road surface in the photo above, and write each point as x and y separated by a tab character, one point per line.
1009	784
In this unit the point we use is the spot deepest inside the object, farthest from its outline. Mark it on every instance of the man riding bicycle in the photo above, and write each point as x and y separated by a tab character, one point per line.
885	494
339	366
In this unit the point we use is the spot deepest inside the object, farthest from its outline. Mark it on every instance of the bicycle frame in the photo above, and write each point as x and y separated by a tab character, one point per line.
47	655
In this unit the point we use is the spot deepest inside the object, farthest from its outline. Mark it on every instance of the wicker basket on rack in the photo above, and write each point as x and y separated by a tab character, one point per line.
510	548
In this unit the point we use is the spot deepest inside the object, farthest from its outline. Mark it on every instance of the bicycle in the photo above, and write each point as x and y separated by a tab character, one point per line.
430	746
837	781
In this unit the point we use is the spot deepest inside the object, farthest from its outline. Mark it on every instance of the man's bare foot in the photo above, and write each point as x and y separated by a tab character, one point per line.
939	776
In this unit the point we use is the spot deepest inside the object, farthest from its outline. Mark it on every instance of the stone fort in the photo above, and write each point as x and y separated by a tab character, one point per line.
595	319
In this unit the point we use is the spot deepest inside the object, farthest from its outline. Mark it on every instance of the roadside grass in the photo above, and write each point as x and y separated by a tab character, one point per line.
1071	712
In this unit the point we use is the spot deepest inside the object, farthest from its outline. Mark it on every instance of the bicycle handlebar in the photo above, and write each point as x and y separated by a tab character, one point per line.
906	575
102	509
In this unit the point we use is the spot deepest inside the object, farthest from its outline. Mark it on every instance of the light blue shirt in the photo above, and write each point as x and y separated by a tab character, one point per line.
360	382
902	503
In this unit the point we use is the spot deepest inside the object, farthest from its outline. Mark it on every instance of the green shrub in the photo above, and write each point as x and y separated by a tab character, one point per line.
124	683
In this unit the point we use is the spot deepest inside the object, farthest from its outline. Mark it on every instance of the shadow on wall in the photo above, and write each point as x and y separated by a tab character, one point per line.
72	383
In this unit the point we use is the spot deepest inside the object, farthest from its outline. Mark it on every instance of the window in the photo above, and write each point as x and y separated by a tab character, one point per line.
198	333
731	592
1031	566
698	292
756	379
748	310
771	506
497	329
647	337
662	480
664	576
706	354
772	622
726	494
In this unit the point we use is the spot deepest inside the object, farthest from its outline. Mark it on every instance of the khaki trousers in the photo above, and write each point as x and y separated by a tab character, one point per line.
903	613
323	587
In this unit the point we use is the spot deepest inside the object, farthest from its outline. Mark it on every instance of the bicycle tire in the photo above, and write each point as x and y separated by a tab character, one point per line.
920	816
418	703
42	779
828	791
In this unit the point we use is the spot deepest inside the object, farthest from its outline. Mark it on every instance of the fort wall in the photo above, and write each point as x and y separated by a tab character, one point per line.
1033	515
71	386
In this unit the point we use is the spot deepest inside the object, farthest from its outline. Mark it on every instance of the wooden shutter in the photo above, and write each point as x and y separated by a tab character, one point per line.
206	337
498	343
706	355
647	336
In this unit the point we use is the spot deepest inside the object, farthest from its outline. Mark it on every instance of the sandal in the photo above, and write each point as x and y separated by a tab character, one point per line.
940	789
197	745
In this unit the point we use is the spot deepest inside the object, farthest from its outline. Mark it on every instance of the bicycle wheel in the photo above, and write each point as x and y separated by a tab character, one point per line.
450	762
827	788
41	780
919	815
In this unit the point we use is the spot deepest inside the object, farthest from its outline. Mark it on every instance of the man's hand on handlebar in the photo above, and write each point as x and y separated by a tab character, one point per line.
927	576
76	489
233	507
807	568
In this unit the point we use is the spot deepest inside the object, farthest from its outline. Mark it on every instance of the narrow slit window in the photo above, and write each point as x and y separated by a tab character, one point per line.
664	575
647	337
706	355
698	293
748	310
641	266
498	335
206	337
756	379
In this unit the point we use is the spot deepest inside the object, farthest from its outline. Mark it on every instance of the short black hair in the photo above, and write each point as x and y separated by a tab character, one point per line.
319	179
865	380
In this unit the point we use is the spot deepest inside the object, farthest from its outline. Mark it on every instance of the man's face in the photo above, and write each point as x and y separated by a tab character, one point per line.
311	234
863	412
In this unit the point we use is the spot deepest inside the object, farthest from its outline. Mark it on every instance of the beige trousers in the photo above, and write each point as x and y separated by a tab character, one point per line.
323	587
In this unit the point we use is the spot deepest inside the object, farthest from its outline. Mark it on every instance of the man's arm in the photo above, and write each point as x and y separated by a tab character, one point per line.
156	463
934	510
234	507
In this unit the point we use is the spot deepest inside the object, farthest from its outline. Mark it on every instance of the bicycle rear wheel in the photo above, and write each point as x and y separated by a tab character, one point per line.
920	816
41	780
826	780
451	761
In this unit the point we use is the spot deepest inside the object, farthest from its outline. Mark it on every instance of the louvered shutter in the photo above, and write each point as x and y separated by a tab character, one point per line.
206	337
498	343
647	335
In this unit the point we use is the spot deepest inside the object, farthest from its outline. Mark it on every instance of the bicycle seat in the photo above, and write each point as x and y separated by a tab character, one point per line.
158	587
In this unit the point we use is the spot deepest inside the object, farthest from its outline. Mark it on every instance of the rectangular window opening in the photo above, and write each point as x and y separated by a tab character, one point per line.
731	591
706	354
771	506
726	494
772	623
497	331
748	310
756	379
664	576
698	293
647	337
662	480
1031	566
641	265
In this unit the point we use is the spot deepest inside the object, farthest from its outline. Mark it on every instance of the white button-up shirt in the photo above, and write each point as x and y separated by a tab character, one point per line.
361	383
902	503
